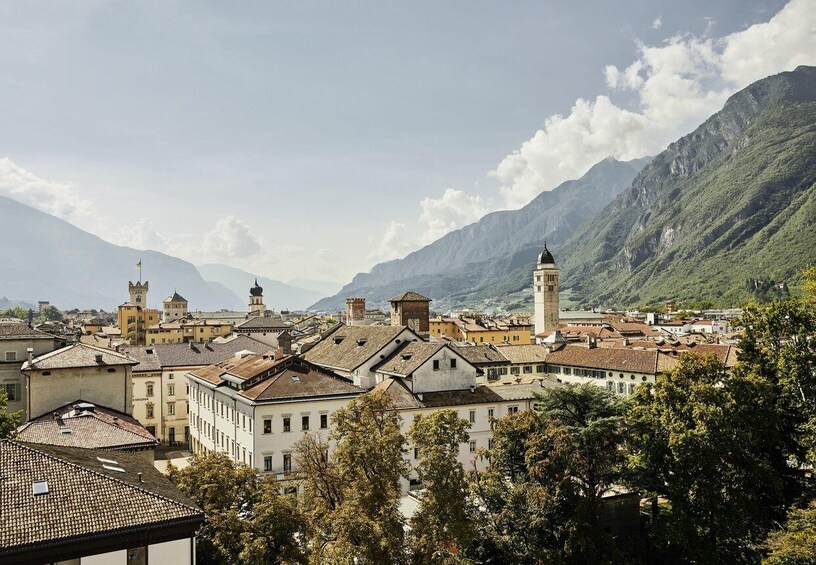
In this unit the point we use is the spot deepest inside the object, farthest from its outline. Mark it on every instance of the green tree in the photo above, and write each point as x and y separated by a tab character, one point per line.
442	528
778	347
19	312
240	508
541	490
701	438
352	500
593	418
51	314
796	544
273	528
9	421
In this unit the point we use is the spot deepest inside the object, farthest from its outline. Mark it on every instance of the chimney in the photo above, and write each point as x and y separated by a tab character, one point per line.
30	352
98	358
472	388
140	477
116	420
590	341
626	342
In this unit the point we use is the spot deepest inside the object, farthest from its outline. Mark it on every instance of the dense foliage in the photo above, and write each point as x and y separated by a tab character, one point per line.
9	421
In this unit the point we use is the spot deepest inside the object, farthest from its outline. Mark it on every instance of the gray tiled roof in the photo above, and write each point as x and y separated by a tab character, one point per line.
16	330
84	499
407	358
91	428
404	399
191	354
262	323
78	355
410	296
480	354
348	347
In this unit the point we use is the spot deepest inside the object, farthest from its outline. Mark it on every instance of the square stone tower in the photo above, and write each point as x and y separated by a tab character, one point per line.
355	311
545	292
138	293
413	310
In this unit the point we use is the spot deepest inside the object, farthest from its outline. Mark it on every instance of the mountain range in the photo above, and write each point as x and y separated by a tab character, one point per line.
730	203
47	258
465	261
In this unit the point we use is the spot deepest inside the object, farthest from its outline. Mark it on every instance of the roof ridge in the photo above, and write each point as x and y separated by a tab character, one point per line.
98	474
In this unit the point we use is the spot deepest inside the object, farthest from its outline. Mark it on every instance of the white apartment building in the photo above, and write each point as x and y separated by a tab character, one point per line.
255	407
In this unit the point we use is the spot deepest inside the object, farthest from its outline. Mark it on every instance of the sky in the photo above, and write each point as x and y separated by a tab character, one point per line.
306	139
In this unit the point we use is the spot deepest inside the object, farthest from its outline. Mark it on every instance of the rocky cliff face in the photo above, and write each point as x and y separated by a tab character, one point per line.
703	199
465	262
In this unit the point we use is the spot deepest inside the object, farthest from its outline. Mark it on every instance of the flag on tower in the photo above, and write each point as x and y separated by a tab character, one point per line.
139	264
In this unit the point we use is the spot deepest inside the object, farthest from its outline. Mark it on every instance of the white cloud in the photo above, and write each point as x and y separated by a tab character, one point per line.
452	211
657	23
142	235
396	242
230	239
676	86
60	199
439	216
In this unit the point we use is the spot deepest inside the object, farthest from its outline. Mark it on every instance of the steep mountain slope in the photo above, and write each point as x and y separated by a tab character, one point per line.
450	268
47	258
734	200
277	295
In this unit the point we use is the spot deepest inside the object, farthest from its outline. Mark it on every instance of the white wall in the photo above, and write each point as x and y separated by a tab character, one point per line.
114	557
176	552
425	379
91	384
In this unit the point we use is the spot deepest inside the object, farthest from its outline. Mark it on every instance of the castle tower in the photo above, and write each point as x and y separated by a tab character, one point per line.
545	292
256	303
355	311
138	293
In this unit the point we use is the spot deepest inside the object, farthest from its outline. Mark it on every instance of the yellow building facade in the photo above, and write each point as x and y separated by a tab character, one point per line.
481	330
186	331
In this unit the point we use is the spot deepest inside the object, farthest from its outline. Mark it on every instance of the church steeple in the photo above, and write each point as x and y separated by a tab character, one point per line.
545	293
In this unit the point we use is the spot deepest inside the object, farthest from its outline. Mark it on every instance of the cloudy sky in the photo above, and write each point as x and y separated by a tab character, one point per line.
314	139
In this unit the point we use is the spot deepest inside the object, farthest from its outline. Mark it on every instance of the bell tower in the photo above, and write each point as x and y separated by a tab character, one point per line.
256	303
545	292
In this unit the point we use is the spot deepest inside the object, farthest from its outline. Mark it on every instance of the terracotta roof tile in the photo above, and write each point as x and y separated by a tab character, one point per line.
94	427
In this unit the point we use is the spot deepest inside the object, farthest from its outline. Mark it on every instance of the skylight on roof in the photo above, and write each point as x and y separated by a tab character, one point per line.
65	430
112	468
103	460
39	487
295	379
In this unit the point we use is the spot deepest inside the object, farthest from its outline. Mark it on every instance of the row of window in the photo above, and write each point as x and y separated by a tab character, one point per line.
222	409
287	423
